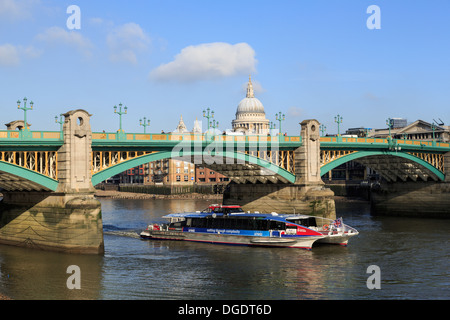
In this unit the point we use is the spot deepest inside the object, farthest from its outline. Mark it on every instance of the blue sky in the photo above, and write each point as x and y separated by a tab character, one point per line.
163	59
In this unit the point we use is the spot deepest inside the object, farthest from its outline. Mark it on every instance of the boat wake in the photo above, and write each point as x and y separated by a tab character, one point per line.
120	232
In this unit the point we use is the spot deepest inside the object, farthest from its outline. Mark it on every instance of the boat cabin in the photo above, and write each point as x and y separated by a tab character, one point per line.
225	209
241	221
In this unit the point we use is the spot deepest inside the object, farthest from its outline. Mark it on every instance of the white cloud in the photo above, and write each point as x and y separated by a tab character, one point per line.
126	41
370	96
208	61
58	35
31	51
15	9
9	55
96	21
295	112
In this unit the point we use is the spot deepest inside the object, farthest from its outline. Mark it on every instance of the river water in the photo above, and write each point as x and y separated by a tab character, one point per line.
412	254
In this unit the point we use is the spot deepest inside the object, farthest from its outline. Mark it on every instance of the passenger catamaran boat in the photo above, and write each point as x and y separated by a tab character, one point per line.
229	224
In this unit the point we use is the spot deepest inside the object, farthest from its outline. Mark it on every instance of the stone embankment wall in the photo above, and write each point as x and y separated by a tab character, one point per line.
132	195
414	199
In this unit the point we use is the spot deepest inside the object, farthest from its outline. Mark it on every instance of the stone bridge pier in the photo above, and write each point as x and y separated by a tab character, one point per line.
429	199
69	219
307	195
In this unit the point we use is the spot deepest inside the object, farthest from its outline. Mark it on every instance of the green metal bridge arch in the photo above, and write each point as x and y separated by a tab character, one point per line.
244	158
25	178
419	163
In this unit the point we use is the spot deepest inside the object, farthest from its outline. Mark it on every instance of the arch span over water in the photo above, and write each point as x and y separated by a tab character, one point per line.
361	155
21	178
239	157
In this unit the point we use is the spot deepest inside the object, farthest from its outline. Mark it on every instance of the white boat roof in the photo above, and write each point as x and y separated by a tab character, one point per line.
198	213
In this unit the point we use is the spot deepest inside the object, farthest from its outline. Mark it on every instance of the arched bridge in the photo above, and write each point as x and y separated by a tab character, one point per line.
271	173
32	163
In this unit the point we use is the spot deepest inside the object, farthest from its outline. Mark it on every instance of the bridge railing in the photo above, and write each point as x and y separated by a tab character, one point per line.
110	136
42	135
411	144
55	137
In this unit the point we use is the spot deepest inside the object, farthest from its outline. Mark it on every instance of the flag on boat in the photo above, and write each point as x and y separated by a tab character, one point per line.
338	222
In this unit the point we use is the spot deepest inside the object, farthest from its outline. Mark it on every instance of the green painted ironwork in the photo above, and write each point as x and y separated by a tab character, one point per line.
145	124
401	145
52	141
30	175
208	115
361	154
123	166
25	132
280	117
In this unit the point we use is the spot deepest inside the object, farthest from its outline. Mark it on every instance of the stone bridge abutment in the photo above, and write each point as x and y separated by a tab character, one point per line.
69	219
307	195
429	199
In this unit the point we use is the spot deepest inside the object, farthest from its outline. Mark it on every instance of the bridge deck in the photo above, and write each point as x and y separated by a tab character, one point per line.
107	139
37	153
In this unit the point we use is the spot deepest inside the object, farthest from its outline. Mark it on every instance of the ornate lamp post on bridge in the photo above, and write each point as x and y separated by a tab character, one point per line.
145	124
272	125
207	115
433	127
214	125
120	132
61	122
323	129
25	132
389	124
405	135
280	117
338	120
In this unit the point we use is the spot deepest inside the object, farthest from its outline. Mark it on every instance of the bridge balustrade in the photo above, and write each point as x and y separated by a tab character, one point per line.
33	152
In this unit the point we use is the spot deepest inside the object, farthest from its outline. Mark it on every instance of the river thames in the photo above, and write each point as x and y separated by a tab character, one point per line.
412	255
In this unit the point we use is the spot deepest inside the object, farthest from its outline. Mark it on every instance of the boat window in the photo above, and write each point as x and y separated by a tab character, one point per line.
277	225
197	223
232	210
230	223
178	224
307	222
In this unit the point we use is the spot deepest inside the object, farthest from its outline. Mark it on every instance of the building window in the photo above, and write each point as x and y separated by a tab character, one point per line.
178	178
186	178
